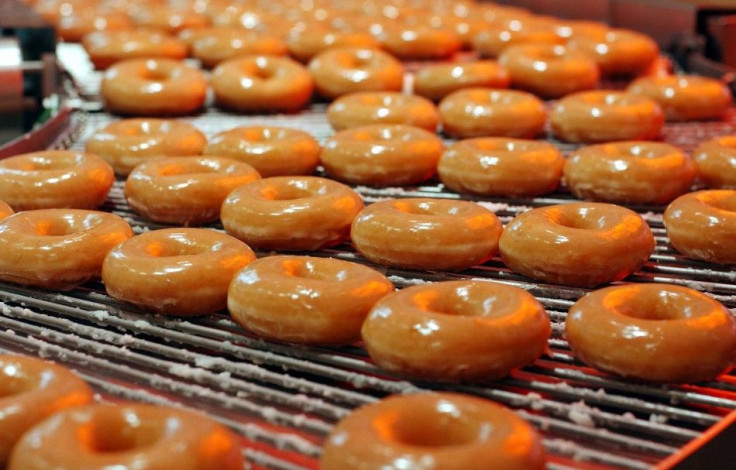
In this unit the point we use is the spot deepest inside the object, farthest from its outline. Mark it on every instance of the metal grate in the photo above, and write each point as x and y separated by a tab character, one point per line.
284	399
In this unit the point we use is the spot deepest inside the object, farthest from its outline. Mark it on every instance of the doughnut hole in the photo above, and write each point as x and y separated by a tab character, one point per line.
468	301
119	432
657	305
430	426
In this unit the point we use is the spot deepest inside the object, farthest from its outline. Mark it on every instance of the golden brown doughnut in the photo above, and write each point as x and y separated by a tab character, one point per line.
57	248
306	300
262	83
185	190
605	115
108	47
716	162
273	151
456	330
55	179
33	389
169	19
163	270
72	28
436	81
305	43
633	172
454	432
291	213
494	166
492	41
420	42
374	107
577	244
702	225
685	97
653	332
153	87
617	51
479	112
382	155
425	233
220	44
128	142
343	70
128	435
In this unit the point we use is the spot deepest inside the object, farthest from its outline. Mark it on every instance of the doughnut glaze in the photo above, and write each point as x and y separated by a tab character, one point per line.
617	51
108	47
702	225
577	244
5	210
456	330
370	107
433	430
424	233
305	300
305	43
343	70
221	44
685	97
653	332
55	179
420	42
716	162
57	248
435	81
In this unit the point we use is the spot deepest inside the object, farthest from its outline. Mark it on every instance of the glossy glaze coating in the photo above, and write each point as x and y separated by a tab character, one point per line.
617	51
577	244
273	151
163	270
654	332
456	330
495	166
108	47
433	431
128	436
31	390
128	142
305	300
72	28
167	18
55	179
311	40
549	70
716	162
262	83
496	38
5	210
633	172
382	155
57	248
343	70
480	112
685	97
153	87
605	115
425	233
420	42
221	44
185	190
291	212
373	107
702	225
435	81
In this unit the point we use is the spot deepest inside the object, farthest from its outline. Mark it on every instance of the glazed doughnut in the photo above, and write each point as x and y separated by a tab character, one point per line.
221	44
163	270
168	19
478	112
373	107
153	87
492	41
716	162
420	42
262	83
108	47
617	51
577	244
450	430
305	300
57	248
306	43
425	233
702	225
126	143
185	190
439	80
273	151
55	179
685	97
343	70
494	166
549	70
291	213
456	330
605	115
382	155
5	210
653	332
128	435
632	172
73	28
